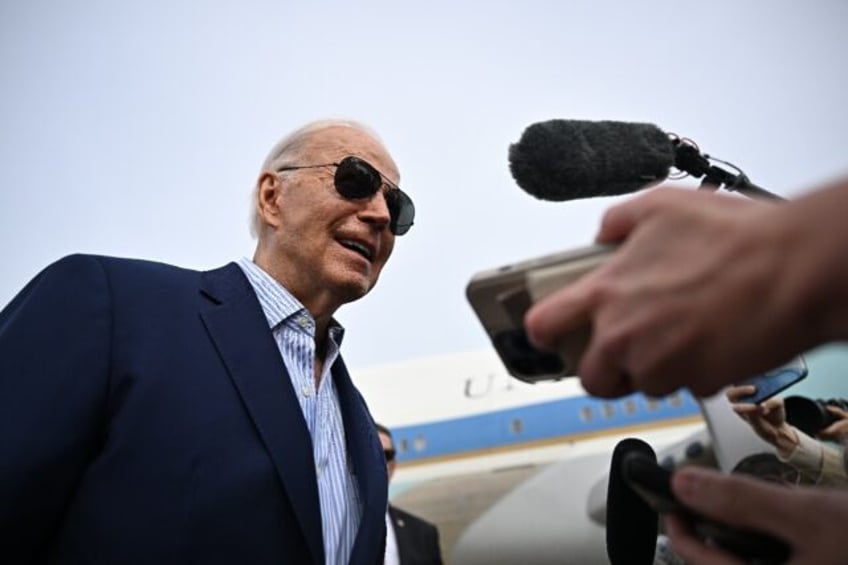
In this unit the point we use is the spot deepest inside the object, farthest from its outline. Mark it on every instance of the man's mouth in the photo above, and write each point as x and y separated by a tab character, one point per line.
361	248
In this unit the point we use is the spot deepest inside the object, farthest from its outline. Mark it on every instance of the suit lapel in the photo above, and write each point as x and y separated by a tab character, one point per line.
369	467
240	332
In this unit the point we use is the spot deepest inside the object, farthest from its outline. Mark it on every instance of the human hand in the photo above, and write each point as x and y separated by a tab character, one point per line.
693	268
837	431
767	419
810	519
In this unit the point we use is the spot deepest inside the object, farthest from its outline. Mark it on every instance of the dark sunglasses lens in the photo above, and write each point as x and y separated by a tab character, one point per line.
402	211
390	454
357	179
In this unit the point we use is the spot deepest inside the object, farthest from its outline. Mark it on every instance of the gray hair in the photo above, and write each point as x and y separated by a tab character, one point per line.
289	151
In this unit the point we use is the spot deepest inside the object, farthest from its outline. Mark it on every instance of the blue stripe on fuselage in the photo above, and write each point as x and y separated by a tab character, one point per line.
546	421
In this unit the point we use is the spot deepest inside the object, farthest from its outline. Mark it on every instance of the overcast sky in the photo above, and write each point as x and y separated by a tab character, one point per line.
138	128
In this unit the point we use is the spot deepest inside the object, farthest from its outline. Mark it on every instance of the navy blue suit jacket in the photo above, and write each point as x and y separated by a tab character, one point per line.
417	540
146	416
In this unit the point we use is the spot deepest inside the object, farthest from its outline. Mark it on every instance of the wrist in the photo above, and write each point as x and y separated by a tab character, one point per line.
814	239
786	440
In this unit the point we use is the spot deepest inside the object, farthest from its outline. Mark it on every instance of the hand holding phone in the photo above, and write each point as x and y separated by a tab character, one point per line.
774	382
500	298
653	484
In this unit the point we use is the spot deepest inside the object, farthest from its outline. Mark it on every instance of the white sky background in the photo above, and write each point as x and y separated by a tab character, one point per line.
137	129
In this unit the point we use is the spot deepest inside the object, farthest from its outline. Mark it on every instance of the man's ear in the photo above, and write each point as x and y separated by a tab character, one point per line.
267	193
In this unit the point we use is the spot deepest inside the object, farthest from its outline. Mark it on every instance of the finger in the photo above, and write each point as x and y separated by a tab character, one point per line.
836	411
622	219
771	404
832	432
617	223
734	393
606	383
689	547
552	317
739	501
602	370
828	433
744	409
619	220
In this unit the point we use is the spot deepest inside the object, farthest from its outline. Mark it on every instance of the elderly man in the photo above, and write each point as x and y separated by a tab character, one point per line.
154	414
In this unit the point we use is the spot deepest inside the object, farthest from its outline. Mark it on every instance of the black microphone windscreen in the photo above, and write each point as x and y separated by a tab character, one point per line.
632	525
570	159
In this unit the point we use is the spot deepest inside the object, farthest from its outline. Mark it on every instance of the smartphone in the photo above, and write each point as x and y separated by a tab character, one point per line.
773	382
652	483
500	297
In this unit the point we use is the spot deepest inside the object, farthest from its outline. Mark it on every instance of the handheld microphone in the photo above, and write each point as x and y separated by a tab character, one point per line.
652	483
572	159
632	524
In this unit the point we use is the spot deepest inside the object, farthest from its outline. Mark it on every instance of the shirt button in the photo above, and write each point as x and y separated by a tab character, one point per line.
303	321
305	390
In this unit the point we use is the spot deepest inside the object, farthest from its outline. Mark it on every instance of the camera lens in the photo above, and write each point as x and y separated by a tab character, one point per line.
530	363
808	415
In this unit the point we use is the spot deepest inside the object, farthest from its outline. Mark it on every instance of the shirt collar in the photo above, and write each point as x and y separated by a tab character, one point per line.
277	302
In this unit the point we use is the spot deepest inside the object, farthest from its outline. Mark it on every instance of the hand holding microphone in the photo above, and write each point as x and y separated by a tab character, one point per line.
565	160
691	270
663	304
811	521
703	291
640	490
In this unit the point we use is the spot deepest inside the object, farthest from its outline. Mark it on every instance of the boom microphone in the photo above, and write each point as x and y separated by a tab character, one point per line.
632	525
571	159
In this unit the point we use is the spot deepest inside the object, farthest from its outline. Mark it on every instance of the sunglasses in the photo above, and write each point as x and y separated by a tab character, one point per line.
356	179
390	455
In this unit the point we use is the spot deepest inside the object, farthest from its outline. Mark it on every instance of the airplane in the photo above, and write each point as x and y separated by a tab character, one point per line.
512	472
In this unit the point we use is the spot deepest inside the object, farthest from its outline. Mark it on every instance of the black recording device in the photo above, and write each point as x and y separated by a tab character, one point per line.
811	415
631	523
653	484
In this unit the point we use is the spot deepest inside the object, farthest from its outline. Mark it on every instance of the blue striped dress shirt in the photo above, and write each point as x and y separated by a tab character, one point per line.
293	329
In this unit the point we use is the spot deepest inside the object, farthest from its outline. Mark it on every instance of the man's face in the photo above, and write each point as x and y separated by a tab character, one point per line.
322	242
387	446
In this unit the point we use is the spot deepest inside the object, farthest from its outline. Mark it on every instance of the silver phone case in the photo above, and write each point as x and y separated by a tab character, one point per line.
500	297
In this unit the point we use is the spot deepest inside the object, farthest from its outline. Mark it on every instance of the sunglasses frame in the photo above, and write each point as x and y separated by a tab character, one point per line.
399	203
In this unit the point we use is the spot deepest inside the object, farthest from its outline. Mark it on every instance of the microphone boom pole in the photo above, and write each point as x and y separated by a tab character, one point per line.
688	159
